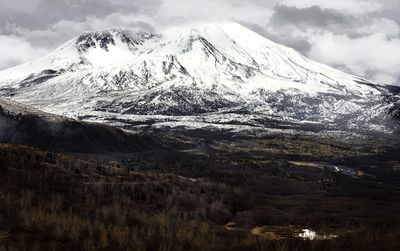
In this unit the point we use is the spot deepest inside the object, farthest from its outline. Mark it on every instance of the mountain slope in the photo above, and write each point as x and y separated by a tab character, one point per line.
213	69
20	124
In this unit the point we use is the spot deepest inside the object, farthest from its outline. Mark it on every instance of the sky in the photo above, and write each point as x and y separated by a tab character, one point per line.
361	37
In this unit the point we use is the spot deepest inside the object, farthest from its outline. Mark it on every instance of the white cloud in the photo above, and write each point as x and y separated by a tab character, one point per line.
375	55
383	77
14	50
379	25
177	11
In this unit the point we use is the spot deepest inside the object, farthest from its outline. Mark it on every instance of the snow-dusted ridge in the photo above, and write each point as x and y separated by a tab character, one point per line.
215	69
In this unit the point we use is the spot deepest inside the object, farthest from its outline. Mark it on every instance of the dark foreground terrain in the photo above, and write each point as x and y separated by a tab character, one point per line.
203	190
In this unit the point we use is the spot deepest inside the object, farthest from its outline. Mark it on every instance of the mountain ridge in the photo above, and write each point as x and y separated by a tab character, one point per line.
190	71
23	125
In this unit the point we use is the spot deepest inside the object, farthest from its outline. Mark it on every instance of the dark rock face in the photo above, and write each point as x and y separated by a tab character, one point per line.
106	38
395	110
39	78
67	135
89	40
182	101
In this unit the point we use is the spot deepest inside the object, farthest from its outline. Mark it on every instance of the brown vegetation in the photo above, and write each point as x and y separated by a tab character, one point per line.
51	201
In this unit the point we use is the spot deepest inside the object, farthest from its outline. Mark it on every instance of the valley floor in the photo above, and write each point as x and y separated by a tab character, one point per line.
204	191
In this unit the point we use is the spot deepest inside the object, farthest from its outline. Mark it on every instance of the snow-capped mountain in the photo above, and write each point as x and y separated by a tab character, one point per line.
199	75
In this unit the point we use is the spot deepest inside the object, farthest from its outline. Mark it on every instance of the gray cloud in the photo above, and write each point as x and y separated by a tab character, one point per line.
22	5
310	16
49	10
19	18
335	35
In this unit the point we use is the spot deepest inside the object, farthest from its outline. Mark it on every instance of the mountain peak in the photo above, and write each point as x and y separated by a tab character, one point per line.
187	70
104	39
212	53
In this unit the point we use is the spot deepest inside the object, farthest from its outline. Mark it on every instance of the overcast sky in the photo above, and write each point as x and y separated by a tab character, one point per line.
357	36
